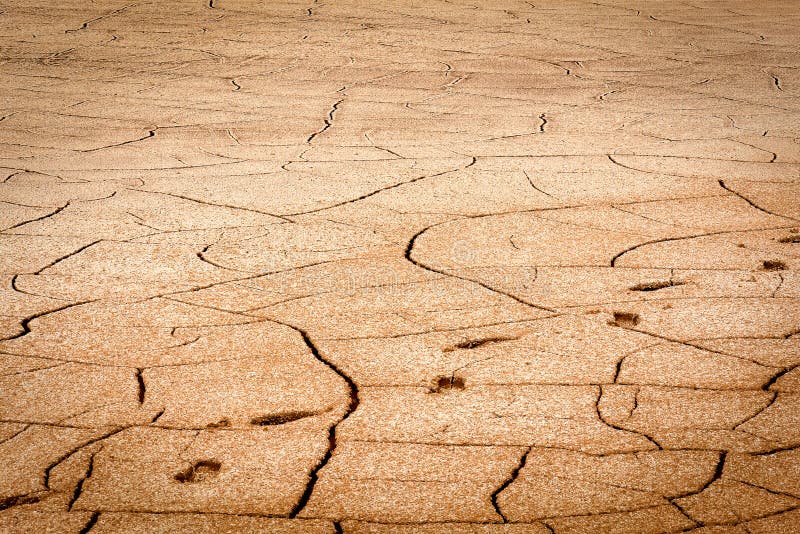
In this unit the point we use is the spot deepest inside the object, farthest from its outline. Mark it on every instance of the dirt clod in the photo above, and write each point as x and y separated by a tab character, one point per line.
773	265
625	319
199	471
280	418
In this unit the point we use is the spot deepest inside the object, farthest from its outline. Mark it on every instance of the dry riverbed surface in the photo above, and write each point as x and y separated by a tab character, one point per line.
392	267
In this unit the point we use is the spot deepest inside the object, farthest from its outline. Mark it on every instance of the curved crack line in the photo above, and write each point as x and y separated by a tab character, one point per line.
16	288
631	510
693	343
773	155
764	387
350	408
439	331
90	523
381	190
620	428
66	256
753	204
715	476
79	487
773	398
49	469
778	287
328	121
409	256
234	280
216	205
777	376
671	157
23	223
693	236
645	217
621	360
85	25
708	26
17	433
25	324
202	258
26	205
150	133
507	482
336	290
533	185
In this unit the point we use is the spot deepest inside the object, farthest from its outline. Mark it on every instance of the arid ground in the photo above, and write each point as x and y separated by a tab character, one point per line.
395	267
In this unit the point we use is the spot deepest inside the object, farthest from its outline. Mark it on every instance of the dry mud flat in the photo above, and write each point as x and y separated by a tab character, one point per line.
363	267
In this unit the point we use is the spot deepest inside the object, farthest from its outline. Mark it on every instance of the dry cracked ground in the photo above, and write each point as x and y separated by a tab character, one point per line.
365	267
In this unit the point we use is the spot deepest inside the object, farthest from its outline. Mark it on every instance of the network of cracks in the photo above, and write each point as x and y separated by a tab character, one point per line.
466	267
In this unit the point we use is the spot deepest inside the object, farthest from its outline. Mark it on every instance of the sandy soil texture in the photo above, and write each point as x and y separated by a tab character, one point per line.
400	267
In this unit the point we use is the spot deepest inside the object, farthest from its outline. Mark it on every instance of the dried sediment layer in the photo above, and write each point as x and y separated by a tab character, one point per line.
461	267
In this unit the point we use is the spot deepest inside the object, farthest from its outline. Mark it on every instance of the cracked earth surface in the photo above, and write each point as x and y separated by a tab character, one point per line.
453	266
